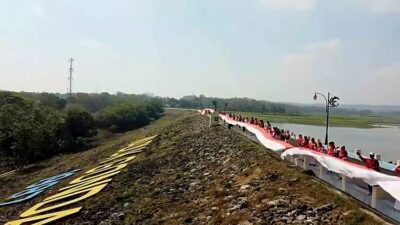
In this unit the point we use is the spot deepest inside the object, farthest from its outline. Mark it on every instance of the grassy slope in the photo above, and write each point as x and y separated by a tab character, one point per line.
83	160
335	121
144	182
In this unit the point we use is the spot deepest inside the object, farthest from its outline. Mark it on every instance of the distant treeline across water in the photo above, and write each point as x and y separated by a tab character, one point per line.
262	106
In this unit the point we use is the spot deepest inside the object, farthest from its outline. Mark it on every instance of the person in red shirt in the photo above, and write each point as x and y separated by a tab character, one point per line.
331	148
320	146
306	142
283	135
261	124
342	152
397	170
299	140
370	163
269	126
287	136
313	144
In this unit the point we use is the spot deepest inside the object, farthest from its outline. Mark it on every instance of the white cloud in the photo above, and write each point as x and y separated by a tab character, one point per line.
90	44
303	63
13	51
373	6
301	5
39	12
379	6
382	86
298	65
309	69
330	46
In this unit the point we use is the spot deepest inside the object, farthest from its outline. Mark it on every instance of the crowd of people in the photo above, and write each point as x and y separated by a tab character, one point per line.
305	141
316	145
309	142
280	134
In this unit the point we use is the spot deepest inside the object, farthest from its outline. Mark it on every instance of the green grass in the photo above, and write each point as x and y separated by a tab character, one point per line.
319	120
106	144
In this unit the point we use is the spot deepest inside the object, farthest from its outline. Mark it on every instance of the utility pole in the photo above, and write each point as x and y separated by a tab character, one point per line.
71	69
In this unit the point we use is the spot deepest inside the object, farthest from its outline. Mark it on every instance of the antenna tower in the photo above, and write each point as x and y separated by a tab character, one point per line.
71	69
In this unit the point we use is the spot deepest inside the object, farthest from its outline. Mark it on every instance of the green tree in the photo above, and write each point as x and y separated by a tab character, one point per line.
123	117
154	108
47	99
28	132
214	103
79	122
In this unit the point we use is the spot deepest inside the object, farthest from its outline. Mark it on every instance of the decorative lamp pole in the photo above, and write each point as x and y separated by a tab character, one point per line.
330	102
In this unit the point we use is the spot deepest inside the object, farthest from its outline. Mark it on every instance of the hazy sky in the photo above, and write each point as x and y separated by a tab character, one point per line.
279	50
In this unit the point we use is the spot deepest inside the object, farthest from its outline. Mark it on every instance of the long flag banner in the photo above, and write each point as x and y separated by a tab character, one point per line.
391	184
262	135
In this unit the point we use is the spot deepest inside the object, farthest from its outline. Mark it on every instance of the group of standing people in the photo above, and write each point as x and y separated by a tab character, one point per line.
312	144
339	152
309	142
283	135
305	141
251	120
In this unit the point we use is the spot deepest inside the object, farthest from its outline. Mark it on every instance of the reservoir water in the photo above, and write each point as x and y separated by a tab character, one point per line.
381	140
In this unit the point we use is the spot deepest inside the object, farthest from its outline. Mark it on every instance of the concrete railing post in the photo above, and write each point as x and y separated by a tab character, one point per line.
297	161
321	170
214	119
377	192
344	182
290	158
305	162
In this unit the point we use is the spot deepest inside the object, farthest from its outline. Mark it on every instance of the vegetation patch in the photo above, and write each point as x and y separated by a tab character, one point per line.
34	127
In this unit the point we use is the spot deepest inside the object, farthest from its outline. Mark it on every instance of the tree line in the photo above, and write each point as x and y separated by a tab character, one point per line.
35	126
97	102
259	106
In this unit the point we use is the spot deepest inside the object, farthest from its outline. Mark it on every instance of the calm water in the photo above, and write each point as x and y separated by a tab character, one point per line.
384	141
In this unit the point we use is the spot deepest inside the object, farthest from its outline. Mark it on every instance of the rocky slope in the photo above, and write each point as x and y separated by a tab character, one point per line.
193	174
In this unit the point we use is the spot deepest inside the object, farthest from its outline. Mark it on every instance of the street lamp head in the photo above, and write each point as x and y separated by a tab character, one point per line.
333	101
315	96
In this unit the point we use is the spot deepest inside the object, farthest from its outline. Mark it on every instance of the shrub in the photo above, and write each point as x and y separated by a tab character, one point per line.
27	132
154	108
79	122
123	117
31	130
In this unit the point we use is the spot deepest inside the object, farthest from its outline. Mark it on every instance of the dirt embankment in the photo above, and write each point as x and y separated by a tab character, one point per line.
192	174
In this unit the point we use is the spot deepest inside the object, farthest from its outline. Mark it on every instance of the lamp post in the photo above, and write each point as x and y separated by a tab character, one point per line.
330	102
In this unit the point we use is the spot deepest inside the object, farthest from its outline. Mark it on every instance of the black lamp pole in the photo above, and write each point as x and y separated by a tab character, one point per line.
330	102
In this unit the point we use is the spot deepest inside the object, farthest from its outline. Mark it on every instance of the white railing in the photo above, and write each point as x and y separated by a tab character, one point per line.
379	199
